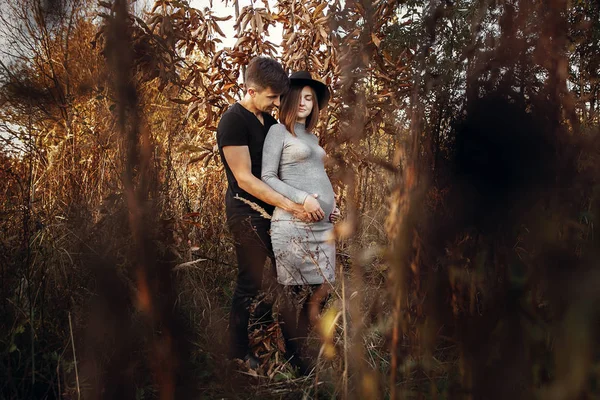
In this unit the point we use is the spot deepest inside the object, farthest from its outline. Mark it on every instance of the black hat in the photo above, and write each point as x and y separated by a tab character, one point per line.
303	78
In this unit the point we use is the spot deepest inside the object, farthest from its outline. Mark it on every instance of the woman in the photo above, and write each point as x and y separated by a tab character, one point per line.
292	164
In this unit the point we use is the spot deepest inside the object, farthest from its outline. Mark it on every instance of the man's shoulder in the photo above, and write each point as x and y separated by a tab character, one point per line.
232	112
231	119
231	130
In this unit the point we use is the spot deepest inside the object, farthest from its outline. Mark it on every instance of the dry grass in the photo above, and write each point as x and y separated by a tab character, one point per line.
454	280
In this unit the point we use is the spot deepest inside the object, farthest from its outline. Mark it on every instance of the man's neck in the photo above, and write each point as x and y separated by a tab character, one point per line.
246	102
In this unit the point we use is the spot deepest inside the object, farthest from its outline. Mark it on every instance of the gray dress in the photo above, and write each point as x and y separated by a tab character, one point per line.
293	166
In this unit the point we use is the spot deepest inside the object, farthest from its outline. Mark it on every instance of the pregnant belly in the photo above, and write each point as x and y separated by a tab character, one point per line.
327	201
325	196
320	185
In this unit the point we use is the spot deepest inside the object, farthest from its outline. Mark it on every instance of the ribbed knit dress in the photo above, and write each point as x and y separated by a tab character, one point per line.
293	166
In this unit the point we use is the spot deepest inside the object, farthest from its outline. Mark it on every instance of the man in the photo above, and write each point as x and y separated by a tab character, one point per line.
240	137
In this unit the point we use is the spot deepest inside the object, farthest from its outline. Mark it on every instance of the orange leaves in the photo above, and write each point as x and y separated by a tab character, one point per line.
252	26
336	43
241	41
307	42
216	28
376	40
318	10
205	153
180	101
268	344
185	40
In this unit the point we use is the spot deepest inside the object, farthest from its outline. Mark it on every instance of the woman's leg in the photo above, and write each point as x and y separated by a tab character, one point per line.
317	302
302	306
295	327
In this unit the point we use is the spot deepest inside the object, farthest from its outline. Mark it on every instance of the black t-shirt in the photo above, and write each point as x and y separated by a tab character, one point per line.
240	127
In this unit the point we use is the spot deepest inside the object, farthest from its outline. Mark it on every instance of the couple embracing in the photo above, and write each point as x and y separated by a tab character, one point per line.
279	167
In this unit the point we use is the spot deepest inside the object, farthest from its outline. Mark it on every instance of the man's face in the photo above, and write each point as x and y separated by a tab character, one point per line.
264	100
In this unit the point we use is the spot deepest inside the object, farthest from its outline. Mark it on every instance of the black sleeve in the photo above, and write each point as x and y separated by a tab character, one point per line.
232	131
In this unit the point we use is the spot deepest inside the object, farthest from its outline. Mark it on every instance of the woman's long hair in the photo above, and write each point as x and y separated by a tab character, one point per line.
288	112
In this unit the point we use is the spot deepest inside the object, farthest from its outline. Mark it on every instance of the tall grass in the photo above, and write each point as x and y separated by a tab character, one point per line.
466	261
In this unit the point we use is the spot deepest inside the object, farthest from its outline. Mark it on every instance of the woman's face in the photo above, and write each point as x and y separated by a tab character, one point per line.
306	104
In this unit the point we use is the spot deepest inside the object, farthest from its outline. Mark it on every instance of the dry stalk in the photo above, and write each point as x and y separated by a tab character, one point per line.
58	377
345	330
188	264
74	358
254	206
395	336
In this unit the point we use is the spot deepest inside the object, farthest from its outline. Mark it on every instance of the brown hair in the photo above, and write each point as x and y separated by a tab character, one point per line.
265	73
288	111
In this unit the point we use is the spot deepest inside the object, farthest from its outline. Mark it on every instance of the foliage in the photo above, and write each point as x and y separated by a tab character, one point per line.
462	139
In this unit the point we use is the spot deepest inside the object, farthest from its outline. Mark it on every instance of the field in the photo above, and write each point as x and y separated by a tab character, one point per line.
462	140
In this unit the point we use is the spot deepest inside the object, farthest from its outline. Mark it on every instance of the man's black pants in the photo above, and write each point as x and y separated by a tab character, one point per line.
253	247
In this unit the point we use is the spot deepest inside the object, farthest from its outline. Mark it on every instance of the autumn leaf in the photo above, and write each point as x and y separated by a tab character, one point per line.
376	40
218	29
227	18
190	148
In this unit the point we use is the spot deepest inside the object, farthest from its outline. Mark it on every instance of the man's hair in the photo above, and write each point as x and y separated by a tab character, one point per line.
264	72
288	111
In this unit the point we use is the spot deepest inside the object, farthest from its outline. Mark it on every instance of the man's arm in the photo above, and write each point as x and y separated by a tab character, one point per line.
238	159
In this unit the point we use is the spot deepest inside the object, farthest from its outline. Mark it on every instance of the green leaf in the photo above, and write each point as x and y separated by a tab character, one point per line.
283	376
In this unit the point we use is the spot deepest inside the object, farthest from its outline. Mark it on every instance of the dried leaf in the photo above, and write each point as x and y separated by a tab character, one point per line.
227	18
319	9
375	39
259	23
218	29
240	41
180	101
190	147
199	158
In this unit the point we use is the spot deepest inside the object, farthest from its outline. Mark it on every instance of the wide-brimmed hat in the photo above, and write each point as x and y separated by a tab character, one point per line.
303	78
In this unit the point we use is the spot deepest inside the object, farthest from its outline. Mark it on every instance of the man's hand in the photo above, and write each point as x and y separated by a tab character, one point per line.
313	207
238	159
298	212
335	215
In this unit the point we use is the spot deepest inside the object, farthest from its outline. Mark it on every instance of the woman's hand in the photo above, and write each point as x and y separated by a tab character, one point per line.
313	208
335	215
